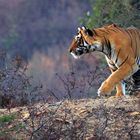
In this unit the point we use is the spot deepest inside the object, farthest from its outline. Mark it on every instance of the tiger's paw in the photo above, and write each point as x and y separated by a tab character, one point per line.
102	93
119	94
105	89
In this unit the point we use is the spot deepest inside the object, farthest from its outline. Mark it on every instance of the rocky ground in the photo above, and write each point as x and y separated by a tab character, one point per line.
110	118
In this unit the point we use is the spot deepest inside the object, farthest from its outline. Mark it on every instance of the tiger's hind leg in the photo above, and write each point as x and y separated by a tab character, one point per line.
135	89
120	88
136	80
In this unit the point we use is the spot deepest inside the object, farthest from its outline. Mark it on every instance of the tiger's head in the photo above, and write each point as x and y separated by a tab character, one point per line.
84	42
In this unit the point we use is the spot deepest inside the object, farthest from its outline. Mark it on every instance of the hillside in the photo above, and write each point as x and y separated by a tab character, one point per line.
31	25
86	119
39	33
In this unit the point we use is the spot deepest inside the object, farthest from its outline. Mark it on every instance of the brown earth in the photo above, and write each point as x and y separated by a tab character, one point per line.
105	118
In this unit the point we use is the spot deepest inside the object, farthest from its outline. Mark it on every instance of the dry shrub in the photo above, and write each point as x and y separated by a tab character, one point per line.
15	86
91	119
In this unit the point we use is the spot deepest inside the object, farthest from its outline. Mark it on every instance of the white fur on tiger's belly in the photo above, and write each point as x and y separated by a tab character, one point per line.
75	56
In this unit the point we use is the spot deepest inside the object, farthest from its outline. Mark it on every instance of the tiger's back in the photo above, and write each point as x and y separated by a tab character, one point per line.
134	37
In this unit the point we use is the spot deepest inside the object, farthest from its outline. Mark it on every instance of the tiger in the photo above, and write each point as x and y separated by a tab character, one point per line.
121	47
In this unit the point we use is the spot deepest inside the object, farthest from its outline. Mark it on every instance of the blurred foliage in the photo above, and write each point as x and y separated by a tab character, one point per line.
31	25
9	40
7	118
124	13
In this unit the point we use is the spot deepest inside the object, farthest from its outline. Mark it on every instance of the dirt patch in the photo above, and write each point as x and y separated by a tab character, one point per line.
105	118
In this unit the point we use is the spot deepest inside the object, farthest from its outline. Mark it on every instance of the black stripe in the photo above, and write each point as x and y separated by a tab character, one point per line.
112	66
111	63
102	48
113	69
117	56
119	29
129	34
113	30
108	46
82	41
124	61
86	42
137	60
94	32
104	31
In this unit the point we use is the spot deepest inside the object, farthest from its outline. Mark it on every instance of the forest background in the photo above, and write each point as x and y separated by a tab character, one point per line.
39	32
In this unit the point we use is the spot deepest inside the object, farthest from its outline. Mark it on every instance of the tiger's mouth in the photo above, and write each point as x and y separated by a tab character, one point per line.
75	56
79	52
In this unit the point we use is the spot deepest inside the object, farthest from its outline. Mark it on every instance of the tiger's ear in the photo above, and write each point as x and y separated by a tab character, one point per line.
82	28
89	32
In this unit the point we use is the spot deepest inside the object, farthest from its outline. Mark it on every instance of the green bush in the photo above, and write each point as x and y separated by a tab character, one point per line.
7	118
124	13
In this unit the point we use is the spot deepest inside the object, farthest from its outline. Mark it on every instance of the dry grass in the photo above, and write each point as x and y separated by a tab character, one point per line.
107	118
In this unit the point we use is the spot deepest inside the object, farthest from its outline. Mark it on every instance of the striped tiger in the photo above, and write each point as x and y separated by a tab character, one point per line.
121	47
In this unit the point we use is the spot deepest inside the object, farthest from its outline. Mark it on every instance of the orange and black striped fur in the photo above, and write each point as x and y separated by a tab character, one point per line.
121	48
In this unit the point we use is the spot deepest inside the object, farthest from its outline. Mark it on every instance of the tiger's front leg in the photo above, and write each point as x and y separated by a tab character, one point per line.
123	72
120	87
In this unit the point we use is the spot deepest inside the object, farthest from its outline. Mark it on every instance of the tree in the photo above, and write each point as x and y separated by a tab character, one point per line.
124	13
